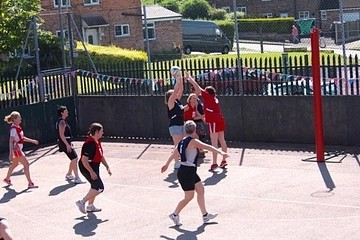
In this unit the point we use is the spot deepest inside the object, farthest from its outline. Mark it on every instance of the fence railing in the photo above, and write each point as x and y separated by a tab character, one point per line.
270	76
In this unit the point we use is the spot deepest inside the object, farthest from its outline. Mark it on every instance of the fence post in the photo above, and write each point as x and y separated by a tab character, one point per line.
284	62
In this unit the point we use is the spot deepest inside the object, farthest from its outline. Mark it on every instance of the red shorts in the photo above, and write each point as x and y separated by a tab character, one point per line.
217	126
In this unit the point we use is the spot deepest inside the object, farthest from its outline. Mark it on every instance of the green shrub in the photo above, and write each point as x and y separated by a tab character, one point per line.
107	54
266	25
228	28
217	14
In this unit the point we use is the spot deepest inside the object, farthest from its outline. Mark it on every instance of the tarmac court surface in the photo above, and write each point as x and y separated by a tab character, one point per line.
266	192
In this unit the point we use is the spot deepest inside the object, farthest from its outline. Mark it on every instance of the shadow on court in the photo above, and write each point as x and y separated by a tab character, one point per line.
87	225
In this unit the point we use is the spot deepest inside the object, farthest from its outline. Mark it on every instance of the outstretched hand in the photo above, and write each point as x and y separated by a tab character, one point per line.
163	168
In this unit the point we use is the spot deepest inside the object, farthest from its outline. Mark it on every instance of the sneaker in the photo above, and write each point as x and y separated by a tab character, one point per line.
69	177
32	185
223	164
78	180
81	205
92	208
7	181
213	167
177	165
209	216
175	219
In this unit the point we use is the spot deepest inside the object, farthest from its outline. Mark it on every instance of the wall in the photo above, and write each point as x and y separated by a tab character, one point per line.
38	121
251	118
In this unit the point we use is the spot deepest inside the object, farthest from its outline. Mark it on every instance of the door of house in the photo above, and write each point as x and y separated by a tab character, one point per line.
92	36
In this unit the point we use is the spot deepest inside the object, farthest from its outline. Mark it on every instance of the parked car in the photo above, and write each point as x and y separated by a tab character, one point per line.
227	81
204	36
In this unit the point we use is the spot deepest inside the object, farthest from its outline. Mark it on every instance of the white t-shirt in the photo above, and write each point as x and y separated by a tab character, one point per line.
14	134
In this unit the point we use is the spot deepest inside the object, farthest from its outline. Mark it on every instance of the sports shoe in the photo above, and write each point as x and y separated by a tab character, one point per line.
213	167
32	185
175	219
69	177
92	208
78	180
7	181
177	165
209	216
223	164
81	205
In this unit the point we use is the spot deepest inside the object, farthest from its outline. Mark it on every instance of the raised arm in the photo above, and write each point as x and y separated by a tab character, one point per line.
196	86
179	86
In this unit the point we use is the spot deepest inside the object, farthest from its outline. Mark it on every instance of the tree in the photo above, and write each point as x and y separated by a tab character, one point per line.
15	16
172	5
195	9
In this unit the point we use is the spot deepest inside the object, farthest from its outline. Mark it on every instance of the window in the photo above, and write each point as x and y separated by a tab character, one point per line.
323	15
151	31
284	15
91	2
63	3
122	30
304	14
241	9
65	32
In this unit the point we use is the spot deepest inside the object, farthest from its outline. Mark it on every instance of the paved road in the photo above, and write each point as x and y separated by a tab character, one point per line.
255	46
267	192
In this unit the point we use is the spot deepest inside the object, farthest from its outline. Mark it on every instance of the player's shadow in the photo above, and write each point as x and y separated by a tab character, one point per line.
88	225
172	178
10	194
62	188
216	177
186	234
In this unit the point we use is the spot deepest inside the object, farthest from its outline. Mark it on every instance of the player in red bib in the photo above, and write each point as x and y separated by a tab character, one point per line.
16	143
213	117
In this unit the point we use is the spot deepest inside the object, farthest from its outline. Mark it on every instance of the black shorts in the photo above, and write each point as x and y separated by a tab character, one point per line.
96	184
71	155
188	177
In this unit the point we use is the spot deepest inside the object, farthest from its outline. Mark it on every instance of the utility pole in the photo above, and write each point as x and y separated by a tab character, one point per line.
37	58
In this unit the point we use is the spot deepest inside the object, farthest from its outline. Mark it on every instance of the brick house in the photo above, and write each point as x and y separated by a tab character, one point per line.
324	11
102	22
164	28
118	23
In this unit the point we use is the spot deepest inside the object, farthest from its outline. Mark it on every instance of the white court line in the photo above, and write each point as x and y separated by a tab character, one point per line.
229	195
246	197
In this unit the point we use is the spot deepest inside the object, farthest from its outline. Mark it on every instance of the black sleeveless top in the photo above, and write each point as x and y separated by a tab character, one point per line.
176	114
183	144
67	134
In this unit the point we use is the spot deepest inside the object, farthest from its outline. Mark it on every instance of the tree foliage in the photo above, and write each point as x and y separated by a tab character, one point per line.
15	16
195	9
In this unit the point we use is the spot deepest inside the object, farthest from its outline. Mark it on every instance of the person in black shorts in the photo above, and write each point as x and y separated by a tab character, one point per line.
188	151
5	233
64	138
89	166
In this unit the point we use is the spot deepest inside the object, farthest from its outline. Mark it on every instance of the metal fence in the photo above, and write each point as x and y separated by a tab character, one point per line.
270	76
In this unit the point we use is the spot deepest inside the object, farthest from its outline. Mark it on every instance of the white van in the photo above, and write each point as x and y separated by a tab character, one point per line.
204	36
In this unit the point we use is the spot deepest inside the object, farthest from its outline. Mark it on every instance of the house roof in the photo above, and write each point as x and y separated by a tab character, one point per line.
159	13
94	20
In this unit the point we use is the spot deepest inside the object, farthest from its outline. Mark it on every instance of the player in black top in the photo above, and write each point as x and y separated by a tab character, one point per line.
188	151
64	138
175	111
89	165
